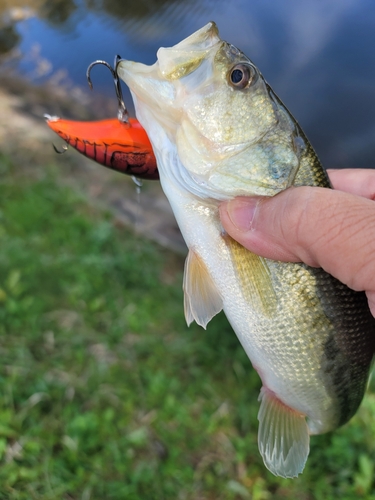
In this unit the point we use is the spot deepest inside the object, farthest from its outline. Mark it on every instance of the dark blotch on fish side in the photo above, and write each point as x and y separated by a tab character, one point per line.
350	350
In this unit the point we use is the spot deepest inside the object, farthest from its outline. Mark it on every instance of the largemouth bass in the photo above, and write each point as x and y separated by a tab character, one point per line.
219	131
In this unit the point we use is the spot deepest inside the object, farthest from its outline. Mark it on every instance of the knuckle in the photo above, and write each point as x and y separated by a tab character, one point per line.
302	221
295	216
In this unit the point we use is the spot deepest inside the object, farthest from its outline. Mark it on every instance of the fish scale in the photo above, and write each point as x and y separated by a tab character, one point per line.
219	131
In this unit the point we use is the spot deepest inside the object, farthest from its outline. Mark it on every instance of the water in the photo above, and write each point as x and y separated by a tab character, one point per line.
317	55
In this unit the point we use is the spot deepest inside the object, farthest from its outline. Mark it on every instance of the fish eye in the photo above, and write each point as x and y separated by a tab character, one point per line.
241	76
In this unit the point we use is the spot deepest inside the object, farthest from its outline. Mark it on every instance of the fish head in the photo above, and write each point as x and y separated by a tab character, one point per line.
208	103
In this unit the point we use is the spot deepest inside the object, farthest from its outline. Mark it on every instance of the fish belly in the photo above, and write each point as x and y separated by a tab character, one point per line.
309	337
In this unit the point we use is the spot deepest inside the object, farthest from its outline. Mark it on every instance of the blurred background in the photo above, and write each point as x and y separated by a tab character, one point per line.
317	55
104	392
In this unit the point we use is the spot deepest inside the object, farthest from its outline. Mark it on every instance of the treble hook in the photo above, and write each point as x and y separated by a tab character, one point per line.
138	182
122	113
64	149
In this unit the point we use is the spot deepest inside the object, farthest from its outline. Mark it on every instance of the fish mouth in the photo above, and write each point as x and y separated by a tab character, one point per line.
156	86
147	87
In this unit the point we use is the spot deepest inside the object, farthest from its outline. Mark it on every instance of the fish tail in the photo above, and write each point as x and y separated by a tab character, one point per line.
283	436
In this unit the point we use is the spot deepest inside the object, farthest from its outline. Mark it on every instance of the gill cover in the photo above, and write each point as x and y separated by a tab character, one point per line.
207	100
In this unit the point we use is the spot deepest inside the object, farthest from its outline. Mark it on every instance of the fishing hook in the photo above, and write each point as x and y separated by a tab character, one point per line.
138	182
64	149
122	113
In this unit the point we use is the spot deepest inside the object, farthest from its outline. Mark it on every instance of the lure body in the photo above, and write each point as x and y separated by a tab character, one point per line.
124	147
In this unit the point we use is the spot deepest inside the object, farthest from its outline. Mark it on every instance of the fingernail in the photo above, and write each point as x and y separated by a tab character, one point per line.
242	211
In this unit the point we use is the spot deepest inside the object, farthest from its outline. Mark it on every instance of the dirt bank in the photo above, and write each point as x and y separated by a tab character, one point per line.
25	136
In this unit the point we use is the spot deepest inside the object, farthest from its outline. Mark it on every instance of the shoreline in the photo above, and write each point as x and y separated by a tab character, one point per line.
26	138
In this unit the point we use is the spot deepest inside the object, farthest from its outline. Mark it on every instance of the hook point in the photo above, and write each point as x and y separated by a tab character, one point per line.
64	148
122	111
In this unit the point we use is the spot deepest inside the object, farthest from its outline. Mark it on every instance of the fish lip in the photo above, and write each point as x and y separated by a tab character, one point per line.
146	85
202	39
155	84
198	43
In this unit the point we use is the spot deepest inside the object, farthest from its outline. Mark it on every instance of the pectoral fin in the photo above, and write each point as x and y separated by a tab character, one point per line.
283	436
202	301
255	278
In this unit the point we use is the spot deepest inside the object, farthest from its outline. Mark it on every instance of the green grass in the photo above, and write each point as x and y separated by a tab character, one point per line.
106	394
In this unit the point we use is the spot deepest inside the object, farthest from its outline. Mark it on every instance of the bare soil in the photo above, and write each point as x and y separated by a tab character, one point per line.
25	136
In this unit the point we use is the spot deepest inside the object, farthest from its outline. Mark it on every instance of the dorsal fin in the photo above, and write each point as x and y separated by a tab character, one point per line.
254	276
283	436
202	301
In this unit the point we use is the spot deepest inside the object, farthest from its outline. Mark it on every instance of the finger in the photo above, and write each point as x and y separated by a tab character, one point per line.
371	301
321	227
356	181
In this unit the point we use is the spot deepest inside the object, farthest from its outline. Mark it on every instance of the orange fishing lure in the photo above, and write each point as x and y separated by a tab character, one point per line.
124	147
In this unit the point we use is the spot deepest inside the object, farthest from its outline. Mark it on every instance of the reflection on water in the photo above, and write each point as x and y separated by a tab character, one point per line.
9	38
318	56
57	12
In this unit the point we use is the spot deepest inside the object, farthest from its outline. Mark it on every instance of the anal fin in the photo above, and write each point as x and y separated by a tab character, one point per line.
283	436
202	301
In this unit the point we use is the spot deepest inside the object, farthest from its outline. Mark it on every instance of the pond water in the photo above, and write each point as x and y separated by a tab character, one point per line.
317	55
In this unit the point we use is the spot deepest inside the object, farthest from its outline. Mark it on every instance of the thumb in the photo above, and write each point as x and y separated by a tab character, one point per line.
318	226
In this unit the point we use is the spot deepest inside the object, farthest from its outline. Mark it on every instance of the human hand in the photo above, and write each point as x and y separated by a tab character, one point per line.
332	229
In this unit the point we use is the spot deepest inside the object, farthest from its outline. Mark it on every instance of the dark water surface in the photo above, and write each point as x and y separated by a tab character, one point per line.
319	56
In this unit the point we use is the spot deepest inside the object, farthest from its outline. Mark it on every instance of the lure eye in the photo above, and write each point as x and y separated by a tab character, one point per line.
241	76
